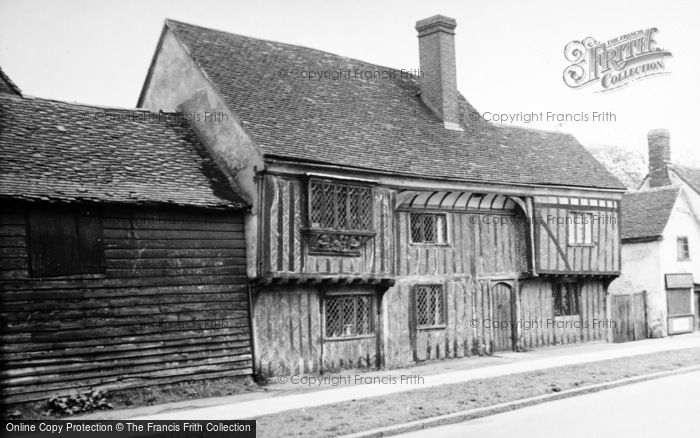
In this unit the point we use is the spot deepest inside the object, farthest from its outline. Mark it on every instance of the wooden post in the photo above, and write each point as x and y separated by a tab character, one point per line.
518	332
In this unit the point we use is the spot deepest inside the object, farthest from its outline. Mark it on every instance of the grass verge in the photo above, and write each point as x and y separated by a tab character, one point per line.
366	414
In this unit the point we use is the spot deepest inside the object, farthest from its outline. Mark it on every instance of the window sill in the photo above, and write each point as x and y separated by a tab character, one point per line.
350	338
581	245
432	327
429	244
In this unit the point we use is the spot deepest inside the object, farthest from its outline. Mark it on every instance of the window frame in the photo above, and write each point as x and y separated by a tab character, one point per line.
443	307
336	218
682	248
345	295
446	230
88	254
572	228
558	286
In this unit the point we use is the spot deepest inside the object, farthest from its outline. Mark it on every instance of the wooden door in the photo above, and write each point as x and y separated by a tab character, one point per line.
502	323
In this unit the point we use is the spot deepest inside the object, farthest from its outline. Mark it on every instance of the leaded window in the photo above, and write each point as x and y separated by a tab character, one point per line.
428	228
430	306
340	206
348	315
566	299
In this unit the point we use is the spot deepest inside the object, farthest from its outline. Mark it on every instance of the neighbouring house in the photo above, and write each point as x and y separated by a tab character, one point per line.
661	242
122	256
389	224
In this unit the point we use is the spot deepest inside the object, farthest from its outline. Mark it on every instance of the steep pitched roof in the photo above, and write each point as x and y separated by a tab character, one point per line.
61	151
645	214
691	176
377	123
6	84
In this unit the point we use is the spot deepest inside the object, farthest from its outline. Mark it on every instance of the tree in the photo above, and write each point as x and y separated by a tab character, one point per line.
629	166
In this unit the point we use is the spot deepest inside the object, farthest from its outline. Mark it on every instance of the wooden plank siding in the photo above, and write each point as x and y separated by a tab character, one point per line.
172	305
289	326
283	249
553	253
541	328
478	244
482	249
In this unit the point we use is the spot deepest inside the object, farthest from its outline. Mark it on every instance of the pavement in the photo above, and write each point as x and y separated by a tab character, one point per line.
666	406
296	393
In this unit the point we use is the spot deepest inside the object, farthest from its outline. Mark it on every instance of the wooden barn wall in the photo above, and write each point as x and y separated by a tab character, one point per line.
553	253
289	330
172	305
283	250
478	244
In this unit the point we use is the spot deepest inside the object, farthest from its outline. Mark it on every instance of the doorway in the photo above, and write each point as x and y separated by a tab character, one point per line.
503	326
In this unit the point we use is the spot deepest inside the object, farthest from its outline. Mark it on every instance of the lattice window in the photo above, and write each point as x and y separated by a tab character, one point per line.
430	306
348	315
566	297
428	228
340	206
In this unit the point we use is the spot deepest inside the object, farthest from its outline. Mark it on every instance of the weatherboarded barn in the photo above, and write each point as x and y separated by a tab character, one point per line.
122	252
390	223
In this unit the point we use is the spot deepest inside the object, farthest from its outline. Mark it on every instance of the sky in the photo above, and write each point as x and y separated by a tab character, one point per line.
510	54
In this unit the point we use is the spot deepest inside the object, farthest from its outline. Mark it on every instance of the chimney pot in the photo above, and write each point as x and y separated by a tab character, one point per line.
438	79
659	141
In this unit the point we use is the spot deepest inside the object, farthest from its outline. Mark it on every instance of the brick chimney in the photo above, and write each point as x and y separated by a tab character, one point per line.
438	81
659	156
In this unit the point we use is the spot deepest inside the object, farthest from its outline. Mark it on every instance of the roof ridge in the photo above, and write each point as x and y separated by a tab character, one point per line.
655	189
294	46
28	97
683	166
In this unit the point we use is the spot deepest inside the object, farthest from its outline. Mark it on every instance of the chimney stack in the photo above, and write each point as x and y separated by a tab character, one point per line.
438	79
659	156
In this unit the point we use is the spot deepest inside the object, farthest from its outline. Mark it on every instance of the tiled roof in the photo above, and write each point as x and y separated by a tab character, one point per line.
6	84
645	214
691	176
378	124
61	151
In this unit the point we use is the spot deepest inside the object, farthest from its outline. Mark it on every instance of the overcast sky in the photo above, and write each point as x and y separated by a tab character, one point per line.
510	54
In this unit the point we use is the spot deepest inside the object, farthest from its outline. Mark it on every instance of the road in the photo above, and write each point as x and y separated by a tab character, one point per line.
664	407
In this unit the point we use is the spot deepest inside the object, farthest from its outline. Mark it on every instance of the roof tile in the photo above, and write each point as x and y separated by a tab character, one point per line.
379	124
61	151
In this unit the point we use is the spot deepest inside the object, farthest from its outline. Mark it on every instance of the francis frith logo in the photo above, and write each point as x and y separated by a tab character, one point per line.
616	62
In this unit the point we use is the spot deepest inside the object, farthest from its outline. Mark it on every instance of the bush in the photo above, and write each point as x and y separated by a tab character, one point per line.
76	403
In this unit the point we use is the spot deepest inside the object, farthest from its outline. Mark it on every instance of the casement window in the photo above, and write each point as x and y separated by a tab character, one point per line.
428	228
580	228
348	315
429	305
64	241
683	248
566	299
339	206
